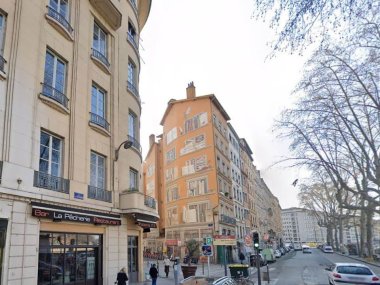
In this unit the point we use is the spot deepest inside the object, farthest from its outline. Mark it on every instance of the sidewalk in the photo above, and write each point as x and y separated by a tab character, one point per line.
216	271
355	257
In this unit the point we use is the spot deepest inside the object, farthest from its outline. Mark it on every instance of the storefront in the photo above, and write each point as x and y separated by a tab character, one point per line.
71	244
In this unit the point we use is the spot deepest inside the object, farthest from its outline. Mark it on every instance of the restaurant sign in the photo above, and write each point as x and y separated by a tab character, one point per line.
73	215
224	240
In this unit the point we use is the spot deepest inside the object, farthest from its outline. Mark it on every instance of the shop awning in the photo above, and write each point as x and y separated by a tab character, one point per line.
145	221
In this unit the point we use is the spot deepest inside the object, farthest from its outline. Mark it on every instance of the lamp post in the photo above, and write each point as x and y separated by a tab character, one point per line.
127	144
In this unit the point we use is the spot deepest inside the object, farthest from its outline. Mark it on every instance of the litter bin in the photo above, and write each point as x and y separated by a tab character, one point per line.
265	276
238	270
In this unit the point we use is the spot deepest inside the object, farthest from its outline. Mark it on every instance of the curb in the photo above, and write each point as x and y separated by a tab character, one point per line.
359	259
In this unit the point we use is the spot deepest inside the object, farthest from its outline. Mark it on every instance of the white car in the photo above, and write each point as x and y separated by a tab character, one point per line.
351	273
328	249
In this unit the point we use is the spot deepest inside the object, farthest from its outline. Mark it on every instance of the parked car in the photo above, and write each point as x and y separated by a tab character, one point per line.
253	260
328	249
277	253
352	273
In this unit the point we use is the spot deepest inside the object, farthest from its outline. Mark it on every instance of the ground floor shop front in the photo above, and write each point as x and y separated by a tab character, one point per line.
49	244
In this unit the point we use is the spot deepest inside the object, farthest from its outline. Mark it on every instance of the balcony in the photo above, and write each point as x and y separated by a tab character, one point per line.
132	88
134	202
132	41
100	60
109	11
59	22
98	123
135	143
55	98
2	66
99	194
47	181
227	220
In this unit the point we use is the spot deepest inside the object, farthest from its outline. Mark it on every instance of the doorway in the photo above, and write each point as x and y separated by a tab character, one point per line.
133	264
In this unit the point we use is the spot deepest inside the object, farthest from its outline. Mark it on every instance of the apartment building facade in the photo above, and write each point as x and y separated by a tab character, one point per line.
71	207
300	226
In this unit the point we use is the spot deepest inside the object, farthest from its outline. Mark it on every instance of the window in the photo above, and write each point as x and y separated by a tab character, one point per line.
197	213
55	75
172	194
172	216
171	135
98	101
98	175
2	34
131	74
50	154
132	35
99	40
196	122
171	174
132	125
61	6
197	187
170	155
133	179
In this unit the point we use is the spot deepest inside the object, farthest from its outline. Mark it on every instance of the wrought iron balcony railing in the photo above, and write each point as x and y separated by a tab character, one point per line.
134	4
150	202
60	19
100	121
56	95
99	194
132	88
227	219
47	181
135	143
101	57
132	40
2	63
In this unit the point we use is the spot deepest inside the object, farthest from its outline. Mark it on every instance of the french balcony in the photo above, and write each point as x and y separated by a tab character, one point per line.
134	202
135	143
132	41
227	220
99	194
51	182
100	60
2	66
132	88
60	22
54	98
99	124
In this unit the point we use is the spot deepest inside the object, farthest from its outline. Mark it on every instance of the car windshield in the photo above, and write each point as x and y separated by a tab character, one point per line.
357	270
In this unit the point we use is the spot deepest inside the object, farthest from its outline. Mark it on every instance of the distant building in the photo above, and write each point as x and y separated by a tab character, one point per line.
301	226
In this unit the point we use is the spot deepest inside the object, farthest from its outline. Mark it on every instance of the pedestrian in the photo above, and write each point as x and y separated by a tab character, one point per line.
167	263
241	257
122	277
153	272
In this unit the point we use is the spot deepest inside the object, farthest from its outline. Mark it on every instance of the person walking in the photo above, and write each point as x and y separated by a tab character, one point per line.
122	277
167	263
153	272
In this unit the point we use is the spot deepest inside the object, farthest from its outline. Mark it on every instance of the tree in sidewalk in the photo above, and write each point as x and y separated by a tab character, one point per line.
334	126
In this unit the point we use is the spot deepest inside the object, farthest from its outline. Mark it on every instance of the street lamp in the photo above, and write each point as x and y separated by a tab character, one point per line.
127	144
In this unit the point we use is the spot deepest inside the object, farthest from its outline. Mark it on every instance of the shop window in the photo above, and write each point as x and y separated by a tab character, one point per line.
3	238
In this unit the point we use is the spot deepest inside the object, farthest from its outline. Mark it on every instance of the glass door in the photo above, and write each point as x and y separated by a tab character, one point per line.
133	258
3	237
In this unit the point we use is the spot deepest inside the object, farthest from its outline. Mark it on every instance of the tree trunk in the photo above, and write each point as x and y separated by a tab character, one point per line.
362	234
329	235
340	221
369	224
336	237
357	239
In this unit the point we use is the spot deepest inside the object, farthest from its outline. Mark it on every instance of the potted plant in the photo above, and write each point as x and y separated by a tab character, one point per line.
193	252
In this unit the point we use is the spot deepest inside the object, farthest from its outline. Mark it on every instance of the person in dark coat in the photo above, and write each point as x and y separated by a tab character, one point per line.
122	277
153	272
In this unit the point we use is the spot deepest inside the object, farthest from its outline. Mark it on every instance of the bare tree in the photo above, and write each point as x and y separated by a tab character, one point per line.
299	23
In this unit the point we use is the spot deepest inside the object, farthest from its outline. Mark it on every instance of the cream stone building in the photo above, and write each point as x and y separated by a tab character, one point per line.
71	207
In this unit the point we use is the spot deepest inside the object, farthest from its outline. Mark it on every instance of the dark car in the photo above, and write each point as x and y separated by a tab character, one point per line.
193	260
253	260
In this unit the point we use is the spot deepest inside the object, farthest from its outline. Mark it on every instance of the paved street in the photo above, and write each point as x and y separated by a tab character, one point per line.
294	268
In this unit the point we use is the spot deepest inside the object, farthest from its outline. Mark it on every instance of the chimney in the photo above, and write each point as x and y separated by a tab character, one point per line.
190	90
152	140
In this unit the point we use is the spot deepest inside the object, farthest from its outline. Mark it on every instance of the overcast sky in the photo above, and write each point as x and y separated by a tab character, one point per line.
223	50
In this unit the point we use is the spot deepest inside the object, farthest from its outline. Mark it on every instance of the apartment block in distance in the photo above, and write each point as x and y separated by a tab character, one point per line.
72	210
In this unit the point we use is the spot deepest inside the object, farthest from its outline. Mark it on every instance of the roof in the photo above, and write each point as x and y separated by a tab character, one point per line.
211	97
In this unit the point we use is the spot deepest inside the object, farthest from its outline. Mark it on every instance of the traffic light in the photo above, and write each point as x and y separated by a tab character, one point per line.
256	239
